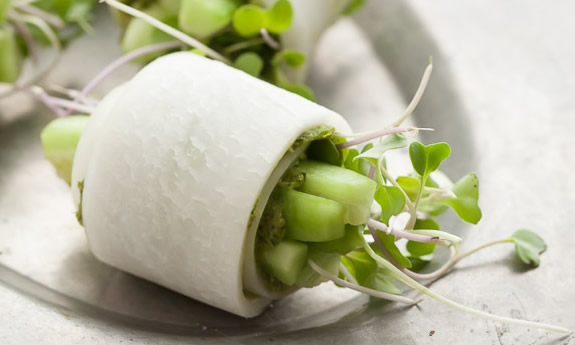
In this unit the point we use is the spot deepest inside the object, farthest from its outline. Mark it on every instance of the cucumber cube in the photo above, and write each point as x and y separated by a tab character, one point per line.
347	187
284	261
343	245
312	218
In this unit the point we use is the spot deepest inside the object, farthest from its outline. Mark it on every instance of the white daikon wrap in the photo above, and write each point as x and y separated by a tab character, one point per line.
173	163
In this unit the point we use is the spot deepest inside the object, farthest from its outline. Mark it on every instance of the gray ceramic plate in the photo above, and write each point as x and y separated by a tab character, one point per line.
500	95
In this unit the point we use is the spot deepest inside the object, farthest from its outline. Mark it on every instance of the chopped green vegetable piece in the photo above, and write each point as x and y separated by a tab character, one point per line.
528	246
324	151
353	190
312	218
59	140
378	150
203	18
328	261
467	192
342	245
249	62
426	159
388	242
391	200
284	261
248	20
10	56
279	17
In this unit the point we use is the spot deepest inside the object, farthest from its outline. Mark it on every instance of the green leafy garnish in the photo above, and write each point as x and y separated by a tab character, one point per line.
324	151
420	249
249	62
388	242
391	200
528	246
466	204
353	6
249	19
291	57
203	18
279	17
426	159
382	280
391	142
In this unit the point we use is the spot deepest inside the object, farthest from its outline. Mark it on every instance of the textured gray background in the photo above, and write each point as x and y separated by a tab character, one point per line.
501	94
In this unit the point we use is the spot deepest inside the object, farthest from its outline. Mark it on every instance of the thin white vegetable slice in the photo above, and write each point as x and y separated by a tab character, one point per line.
182	155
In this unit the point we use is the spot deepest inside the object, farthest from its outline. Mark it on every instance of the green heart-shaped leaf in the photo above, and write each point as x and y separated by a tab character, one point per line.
528	246
466	205
279	17
426	159
391	200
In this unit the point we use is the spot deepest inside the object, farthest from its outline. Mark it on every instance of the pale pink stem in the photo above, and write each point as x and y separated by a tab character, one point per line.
371	171
47	17
400	233
417	276
268	39
43	97
72	105
374	135
122	61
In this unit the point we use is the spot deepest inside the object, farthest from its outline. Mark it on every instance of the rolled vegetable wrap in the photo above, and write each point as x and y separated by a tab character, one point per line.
173	171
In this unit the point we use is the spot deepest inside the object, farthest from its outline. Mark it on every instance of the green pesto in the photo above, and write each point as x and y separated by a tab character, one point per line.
79	212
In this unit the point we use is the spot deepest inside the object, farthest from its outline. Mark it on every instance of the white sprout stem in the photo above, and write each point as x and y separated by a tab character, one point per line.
435	274
192	42
54	42
24	32
400	233
402	277
244	44
443	235
349	285
377	134
347	274
122	61
268	39
418	94
45	16
413	215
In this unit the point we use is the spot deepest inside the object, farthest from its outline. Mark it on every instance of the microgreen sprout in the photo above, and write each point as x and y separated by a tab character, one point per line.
192	42
35	24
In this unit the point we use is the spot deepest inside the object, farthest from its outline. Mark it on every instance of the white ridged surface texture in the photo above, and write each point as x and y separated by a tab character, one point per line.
182	153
